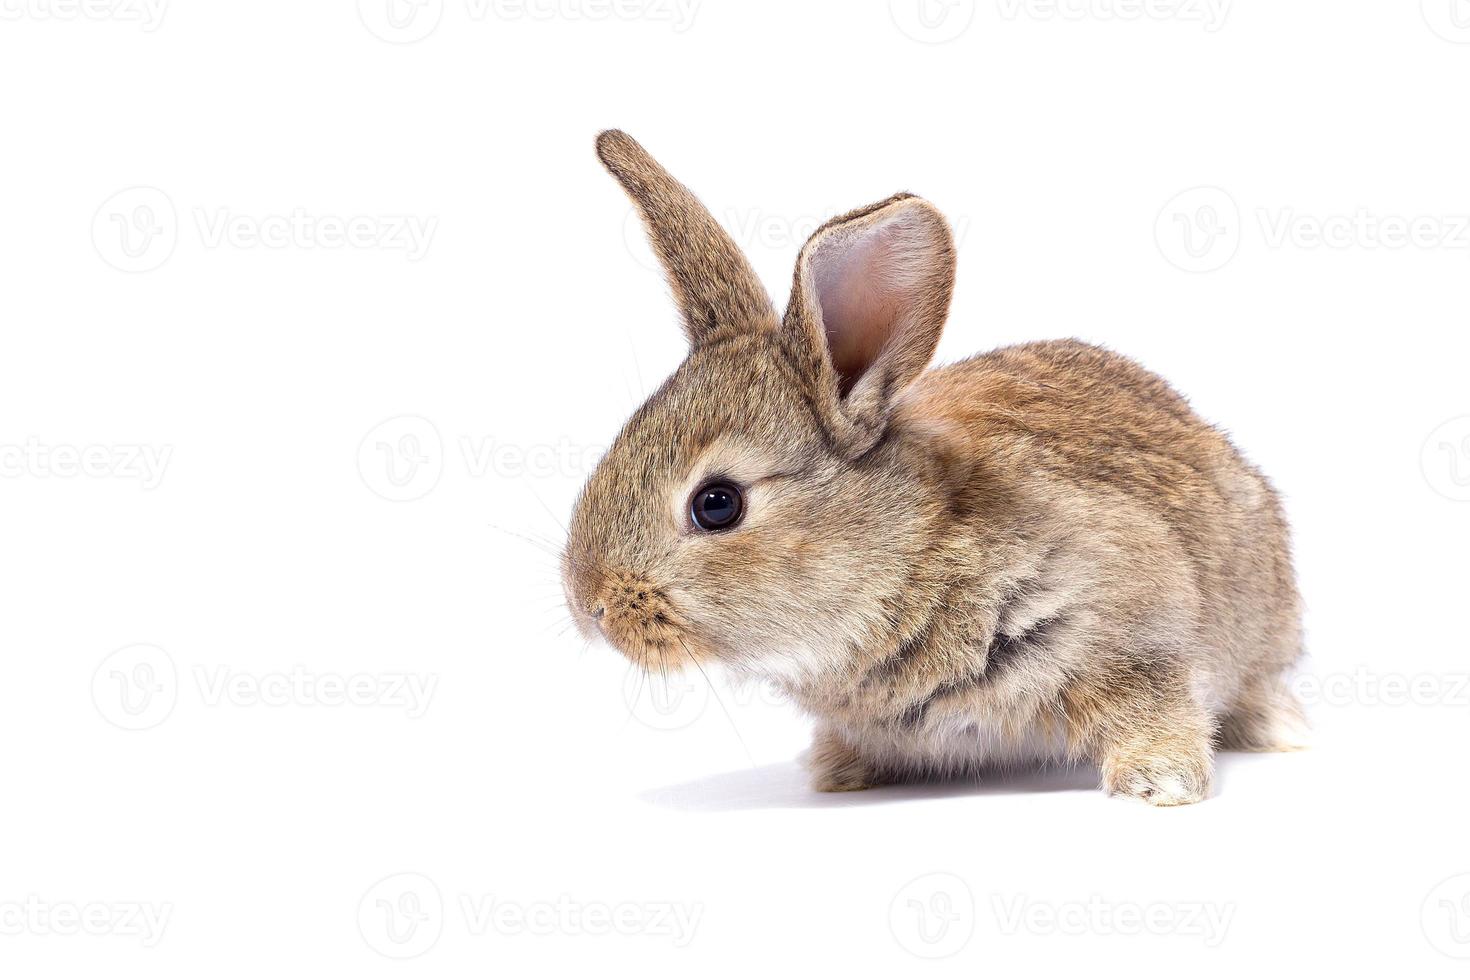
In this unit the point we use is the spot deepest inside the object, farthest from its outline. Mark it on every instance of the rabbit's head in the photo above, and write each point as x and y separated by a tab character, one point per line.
754	511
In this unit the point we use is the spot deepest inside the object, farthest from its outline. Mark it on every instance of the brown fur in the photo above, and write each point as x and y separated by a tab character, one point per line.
1038	553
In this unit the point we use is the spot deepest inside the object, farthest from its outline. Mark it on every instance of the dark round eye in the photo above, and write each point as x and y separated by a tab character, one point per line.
716	507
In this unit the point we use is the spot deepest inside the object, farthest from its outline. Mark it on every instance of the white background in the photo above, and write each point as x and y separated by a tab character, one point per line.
293	390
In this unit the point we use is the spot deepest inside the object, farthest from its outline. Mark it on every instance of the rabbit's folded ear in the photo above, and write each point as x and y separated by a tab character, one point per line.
870	297
713	284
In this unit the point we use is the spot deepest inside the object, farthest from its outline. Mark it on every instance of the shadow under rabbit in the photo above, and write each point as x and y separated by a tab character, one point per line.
787	785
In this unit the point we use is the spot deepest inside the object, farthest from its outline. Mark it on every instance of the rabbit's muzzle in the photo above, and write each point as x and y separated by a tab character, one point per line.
637	618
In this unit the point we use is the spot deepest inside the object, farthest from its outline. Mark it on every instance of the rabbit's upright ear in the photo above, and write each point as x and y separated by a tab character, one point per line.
713	284
869	300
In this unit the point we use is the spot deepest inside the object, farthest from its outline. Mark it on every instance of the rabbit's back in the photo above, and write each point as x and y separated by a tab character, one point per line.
1067	428
1099	418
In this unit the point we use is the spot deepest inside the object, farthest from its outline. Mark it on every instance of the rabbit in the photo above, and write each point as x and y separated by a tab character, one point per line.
1036	555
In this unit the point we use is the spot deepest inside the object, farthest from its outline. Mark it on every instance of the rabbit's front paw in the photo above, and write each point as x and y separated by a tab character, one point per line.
836	767
1158	780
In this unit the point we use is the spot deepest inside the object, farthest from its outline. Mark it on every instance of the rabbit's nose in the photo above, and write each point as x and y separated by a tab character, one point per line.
632	613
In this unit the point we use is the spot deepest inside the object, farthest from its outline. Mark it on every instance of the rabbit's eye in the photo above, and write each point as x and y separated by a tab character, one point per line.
716	507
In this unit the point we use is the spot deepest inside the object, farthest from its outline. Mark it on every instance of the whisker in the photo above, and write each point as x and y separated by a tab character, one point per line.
721	702
549	513
637	695
547	546
561	624
557	555
663	670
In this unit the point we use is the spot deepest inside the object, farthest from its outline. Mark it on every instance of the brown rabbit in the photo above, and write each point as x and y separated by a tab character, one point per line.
1040	553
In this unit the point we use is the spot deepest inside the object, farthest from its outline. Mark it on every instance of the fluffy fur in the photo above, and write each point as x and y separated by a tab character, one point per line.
1040	553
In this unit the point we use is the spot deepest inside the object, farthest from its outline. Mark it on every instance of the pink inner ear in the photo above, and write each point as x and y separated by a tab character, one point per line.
866	282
